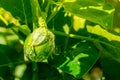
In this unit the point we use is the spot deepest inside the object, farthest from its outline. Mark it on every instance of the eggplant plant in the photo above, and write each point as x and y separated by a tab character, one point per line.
59	40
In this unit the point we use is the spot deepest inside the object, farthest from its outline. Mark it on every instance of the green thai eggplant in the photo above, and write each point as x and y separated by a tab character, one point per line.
39	45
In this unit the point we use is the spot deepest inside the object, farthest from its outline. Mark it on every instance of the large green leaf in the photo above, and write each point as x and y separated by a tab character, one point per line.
110	42
78	61
113	51
93	10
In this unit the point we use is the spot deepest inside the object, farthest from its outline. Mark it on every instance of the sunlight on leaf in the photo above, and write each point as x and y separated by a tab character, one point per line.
2	40
94	11
107	8
117	29
7	17
19	71
66	29
69	0
7	36
74	65
102	32
2	37
78	23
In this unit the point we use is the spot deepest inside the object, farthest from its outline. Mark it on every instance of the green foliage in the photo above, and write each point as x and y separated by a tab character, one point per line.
59	39
95	8
76	61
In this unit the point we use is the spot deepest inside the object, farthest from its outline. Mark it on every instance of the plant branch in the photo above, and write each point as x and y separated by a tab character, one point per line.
81	37
36	12
23	5
35	71
58	7
3	65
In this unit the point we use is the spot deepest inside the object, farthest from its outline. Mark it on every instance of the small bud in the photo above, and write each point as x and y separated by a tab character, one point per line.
39	45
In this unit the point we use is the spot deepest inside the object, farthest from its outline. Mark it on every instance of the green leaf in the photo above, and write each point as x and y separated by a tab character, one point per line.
24	29
77	61
94	11
113	52
14	7
7	18
20	9
111	42
95	2
103	33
